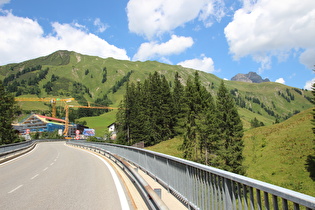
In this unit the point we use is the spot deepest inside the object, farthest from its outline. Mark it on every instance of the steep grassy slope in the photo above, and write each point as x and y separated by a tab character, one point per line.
71	74
279	154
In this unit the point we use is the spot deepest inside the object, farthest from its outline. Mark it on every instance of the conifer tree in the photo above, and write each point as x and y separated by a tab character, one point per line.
209	131
154	107
122	119
231	132
189	145
167	110
179	106
8	110
144	114
197	101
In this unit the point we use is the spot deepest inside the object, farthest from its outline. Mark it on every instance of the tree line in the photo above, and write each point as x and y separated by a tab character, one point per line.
152	111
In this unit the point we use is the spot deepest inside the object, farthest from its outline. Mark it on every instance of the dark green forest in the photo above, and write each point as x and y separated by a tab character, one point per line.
156	110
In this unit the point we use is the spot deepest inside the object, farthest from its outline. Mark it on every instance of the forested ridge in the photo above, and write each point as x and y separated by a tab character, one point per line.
91	79
156	110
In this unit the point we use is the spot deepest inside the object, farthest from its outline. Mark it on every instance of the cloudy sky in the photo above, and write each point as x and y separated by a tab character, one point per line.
276	39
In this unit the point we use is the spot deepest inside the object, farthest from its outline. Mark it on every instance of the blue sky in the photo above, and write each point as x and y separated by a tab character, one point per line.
222	37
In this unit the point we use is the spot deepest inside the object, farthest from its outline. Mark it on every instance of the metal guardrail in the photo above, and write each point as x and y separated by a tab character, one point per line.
203	187
11	149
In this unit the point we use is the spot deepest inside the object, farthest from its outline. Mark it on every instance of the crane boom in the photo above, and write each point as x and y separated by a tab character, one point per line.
53	101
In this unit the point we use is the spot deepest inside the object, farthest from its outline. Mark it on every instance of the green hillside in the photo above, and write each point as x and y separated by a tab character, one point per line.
65	74
279	154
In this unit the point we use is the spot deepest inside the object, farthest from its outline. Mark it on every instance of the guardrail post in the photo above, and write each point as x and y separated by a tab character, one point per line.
228	193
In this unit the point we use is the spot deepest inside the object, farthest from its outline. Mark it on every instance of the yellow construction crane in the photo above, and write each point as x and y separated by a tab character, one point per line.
53	102
65	132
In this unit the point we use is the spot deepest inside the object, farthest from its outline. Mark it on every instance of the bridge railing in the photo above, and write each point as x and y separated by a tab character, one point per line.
10	149
203	187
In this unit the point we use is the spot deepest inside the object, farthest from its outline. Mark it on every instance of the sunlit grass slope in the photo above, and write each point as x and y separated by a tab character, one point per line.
278	154
100	123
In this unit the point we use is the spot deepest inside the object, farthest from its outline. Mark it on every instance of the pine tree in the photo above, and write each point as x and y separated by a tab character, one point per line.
124	116
167	110
231	132
190	143
140	127
178	96
209	129
8	110
197	100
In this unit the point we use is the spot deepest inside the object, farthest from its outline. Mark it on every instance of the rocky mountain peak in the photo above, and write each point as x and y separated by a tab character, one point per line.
251	77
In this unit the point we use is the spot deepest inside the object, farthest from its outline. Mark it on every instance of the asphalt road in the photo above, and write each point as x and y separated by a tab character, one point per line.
55	176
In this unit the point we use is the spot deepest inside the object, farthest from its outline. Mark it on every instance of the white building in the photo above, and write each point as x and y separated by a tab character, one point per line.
112	131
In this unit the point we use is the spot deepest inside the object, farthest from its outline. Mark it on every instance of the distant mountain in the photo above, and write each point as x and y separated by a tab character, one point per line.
65	74
251	77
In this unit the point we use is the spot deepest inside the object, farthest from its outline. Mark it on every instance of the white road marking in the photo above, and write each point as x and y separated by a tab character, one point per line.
52	164
45	169
15	189
35	176
121	194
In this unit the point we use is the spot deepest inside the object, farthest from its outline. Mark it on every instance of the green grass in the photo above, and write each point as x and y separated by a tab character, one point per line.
276	154
100	123
169	147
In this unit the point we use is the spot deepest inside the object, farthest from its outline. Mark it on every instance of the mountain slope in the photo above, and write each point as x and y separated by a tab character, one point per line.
280	153
86	78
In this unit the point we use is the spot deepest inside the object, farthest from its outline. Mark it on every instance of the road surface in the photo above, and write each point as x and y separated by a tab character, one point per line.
56	176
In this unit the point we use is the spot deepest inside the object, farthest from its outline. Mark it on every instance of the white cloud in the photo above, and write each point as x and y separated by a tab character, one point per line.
309	84
280	80
150	50
308	58
154	17
23	38
205	64
266	28
101	27
3	2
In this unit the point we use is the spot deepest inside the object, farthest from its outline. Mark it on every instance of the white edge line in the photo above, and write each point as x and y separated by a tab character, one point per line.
15	188
19	156
122	196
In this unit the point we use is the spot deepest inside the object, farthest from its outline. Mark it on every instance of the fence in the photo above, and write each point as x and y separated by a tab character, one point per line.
12	149
203	187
